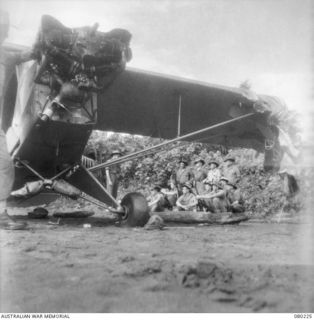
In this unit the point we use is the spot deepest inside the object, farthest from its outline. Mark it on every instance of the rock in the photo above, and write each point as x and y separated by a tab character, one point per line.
127	259
191	281
259	305
69	265
153	267
30	249
205	268
155	223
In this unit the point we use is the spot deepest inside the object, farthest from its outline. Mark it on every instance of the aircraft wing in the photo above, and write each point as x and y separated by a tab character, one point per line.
161	106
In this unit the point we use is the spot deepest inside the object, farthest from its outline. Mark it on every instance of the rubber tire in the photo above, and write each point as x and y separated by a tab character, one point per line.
38	213
137	211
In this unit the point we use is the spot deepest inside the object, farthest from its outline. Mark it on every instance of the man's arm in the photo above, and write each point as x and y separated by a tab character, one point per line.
193	202
169	193
237	173
179	204
151	203
214	195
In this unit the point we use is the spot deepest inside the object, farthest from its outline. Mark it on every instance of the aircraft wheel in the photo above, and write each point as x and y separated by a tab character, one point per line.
136	209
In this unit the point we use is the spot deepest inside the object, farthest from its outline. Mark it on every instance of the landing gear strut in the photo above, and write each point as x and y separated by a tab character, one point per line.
133	210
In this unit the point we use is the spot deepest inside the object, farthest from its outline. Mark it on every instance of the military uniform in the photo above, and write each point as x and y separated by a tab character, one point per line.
220	201
183	175
7	68
213	175
232	173
6	170
172	196
114	174
205	203
187	200
7	64
199	176
8	61
236	202
157	202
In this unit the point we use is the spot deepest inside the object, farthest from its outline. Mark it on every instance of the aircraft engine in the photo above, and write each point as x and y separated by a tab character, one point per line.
74	63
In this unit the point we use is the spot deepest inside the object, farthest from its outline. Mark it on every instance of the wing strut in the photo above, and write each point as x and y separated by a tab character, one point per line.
152	149
179	116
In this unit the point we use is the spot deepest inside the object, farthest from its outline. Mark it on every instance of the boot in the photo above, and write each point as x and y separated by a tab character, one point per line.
8	223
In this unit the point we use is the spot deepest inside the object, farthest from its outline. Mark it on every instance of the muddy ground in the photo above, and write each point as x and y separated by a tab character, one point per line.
256	266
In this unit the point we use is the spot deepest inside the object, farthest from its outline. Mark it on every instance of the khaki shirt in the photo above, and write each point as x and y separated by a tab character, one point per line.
235	195
6	169
232	173
183	175
157	199
199	174
213	175
188	200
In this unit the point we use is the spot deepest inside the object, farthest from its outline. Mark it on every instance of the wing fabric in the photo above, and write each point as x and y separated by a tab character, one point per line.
147	104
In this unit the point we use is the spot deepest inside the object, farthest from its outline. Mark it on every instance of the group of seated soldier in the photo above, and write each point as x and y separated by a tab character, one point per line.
197	189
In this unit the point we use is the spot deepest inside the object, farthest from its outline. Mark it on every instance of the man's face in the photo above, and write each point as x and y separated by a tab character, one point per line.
198	164
182	165
229	163
223	183
185	190
212	166
154	192
207	187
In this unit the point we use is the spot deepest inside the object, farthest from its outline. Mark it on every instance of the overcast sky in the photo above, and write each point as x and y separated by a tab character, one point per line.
218	41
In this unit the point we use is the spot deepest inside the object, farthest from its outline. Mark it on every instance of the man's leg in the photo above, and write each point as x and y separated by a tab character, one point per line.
209	205
115	186
6	183
219	205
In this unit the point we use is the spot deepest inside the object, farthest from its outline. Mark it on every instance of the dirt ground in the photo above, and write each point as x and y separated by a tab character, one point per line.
251	267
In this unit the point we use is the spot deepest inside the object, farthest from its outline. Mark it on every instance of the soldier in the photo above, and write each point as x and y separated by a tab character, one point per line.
223	182
231	170
205	204
218	199
199	174
235	199
188	201
113	174
183	174
8	61
214	173
171	194
156	201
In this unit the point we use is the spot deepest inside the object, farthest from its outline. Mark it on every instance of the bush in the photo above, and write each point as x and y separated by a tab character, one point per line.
262	190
